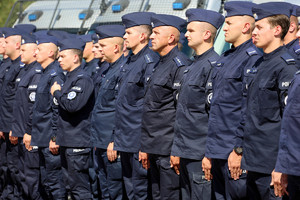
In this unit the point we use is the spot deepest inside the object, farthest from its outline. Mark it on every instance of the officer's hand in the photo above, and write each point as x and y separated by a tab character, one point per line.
111	153
175	163
2	135
206	167
276	182
27	141
145	160
53	147
284	183
234	165
55	87
12	139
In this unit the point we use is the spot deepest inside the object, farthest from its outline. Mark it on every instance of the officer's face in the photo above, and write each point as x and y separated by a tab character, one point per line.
159	38
233	28
107	48
194	34
28	53
66	59
11	44
131	37
263	34
2	45
87	50
42	52
96	51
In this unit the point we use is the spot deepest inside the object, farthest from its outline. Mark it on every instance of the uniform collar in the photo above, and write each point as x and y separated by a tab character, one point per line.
198	57
240	47
49	67
274	53
134	57
69	74
17	60
117	62
169	55
6	60
292	43
93	61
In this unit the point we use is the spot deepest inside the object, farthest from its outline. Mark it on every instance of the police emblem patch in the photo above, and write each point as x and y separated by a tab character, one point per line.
32	96
255	15
71	95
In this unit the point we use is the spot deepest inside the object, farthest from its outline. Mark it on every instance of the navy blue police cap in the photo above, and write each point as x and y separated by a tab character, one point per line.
137	19
28	38
298	11
29	28
41	39
95	38
269	9
7	32
182	38
238	8
71	43
167	20
202	15
40	33
60	35
86	38
108	31
294	12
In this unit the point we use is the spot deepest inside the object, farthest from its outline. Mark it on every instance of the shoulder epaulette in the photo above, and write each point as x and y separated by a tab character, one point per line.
38	71
148	58
22	65
251	51
80	75
297	49
212	61
53	73
178	61
288	58
298	72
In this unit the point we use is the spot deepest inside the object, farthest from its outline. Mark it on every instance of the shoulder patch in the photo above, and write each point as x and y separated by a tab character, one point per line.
76	88
148	58
71	95
32	87
79	75
251	51
288	59
297	49
178	61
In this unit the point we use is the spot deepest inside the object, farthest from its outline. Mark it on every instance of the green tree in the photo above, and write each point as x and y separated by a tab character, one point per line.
5	7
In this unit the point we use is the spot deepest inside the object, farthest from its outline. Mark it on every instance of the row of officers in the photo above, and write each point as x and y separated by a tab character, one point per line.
81	119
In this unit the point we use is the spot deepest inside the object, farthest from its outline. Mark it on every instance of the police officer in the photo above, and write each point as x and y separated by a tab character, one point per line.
102	64
43	130
288	161
129	102
267	94
76	100
103	116
4	66
159	107
22	115
228	103
91	63
194	102
290	40
9	87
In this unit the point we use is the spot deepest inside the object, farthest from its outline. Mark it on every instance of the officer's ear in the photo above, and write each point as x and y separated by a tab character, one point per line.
206	35
247	28
143	37
277	31
171	38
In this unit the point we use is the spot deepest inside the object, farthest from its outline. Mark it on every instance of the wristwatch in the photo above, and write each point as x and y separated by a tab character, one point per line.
53	138
238	150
